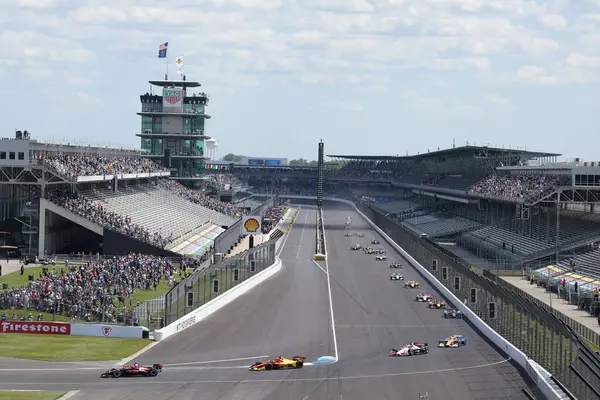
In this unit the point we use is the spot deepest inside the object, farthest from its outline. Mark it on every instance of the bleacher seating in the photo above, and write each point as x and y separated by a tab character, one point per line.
395	206
457	182
158	209
587	263
440	225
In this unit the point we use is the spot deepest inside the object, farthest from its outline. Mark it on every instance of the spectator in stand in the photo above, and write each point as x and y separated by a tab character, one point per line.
198	198
517	186
95	292
72	165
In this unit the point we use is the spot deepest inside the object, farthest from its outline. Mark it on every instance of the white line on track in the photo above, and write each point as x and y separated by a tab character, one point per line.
291	377
107	367
287	235
302	235
321	268
335	345
217	361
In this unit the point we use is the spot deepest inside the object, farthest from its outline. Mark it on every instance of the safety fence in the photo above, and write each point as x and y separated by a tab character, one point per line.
536	332
206	284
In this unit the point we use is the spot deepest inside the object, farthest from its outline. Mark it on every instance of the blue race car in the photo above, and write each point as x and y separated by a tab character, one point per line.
453	341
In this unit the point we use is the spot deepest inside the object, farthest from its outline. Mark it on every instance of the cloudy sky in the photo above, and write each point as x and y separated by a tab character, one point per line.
366	76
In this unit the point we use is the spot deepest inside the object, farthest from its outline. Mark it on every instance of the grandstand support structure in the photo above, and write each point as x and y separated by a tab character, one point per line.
320	172
172	129
574	195
32	174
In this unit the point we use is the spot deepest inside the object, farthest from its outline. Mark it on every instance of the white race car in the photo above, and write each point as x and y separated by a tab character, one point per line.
410	349
396	277
380	257
423	297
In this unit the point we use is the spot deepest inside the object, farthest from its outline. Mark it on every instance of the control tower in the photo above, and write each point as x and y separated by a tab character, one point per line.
172	130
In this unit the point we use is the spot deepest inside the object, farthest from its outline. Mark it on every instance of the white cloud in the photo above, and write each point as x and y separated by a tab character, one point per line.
554	21
495	99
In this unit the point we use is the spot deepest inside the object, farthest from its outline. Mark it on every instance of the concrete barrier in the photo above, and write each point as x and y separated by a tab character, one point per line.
216	304
539	375
109	331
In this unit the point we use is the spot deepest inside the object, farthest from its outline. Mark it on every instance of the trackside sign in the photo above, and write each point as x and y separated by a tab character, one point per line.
184	324
44	328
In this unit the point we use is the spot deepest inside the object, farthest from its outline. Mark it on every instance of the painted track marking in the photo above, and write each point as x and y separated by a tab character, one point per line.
291	378
335	345
302	234
217	361
321	268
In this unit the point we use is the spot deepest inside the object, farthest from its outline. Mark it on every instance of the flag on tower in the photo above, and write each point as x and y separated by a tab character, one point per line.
162	50
179	62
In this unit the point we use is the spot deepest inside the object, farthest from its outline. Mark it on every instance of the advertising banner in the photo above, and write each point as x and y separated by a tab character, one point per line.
43	328
251	225
114	331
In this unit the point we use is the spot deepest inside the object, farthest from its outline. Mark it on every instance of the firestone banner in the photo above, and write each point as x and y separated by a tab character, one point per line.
43	328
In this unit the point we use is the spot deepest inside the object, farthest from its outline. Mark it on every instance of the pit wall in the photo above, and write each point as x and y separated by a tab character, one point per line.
539	375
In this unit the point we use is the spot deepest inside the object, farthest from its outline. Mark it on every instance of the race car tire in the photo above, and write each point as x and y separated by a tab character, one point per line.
153	372
299	364
116	374
411	352
268	367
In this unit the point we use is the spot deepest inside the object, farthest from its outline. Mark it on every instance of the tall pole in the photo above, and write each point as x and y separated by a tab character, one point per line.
166	68
320	171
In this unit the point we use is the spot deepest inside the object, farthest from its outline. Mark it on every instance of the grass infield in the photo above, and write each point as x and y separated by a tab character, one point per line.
30	395
59	348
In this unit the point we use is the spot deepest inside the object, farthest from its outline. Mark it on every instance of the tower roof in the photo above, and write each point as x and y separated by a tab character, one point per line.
184	84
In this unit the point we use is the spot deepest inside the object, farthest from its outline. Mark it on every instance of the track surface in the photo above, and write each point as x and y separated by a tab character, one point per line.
290	314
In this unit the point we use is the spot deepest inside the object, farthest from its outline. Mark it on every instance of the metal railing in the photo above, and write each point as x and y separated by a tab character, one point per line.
536	332
207	284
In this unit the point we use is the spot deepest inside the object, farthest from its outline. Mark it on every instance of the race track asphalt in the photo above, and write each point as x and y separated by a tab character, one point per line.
290	314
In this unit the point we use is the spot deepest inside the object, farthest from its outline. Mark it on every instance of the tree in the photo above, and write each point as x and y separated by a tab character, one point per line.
232	157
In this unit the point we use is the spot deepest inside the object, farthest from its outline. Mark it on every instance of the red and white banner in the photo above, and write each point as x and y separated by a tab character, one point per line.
44	328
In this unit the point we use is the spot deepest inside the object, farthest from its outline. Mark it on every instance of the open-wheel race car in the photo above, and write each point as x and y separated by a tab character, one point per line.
436	304
412	284
133	370
453	341
423	297
374	241
280	362
396	264
453	314
410	349
356	247
396	276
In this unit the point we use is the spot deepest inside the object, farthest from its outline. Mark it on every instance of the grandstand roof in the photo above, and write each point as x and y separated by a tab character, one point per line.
453	152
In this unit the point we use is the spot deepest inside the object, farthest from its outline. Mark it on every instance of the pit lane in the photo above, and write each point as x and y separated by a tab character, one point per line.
290	314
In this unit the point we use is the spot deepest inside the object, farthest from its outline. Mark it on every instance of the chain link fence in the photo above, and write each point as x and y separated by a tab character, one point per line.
206	284
535	331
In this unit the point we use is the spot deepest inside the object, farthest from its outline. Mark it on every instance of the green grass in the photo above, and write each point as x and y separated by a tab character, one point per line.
15	279
47	317
68	348
30	395
592	345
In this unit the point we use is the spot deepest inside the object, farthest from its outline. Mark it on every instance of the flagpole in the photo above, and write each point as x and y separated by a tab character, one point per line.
166	68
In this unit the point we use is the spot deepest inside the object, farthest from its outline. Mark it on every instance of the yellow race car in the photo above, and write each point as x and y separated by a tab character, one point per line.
412	284
436	304
280	362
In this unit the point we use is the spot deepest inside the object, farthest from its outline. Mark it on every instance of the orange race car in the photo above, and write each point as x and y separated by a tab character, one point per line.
436	304
280	362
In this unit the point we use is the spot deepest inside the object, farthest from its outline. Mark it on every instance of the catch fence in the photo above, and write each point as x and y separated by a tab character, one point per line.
535	331
206	284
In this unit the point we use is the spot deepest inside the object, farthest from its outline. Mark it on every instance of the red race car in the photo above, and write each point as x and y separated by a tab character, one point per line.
133	370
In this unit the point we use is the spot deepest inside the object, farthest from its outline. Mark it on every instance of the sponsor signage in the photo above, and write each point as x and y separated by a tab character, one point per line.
251	225
172	96
44	328
107	331
184	324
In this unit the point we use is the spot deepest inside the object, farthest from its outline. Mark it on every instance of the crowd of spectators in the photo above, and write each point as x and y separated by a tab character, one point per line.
199	198
72	165
96	213
225	181
518	186
100	290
